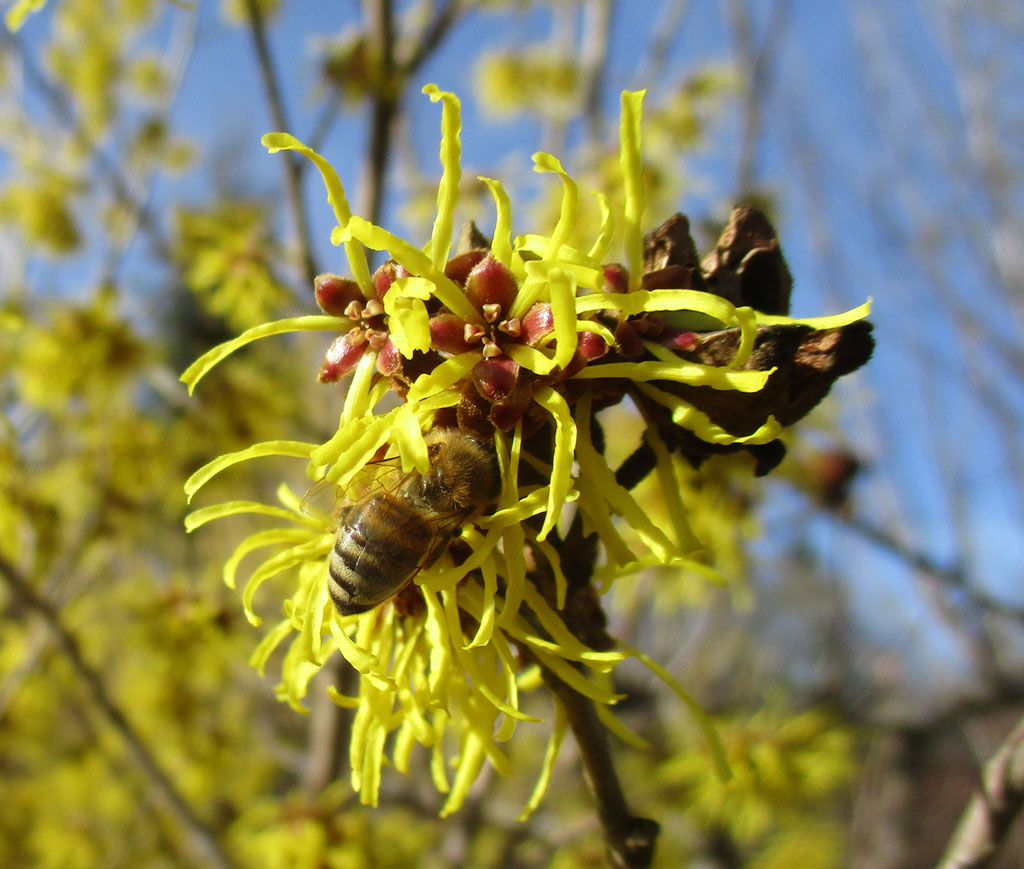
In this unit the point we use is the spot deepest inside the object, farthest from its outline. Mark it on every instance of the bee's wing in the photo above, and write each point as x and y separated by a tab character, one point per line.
382	475
325	499
321	500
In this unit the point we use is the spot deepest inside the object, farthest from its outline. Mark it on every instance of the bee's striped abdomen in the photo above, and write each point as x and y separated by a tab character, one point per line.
379	546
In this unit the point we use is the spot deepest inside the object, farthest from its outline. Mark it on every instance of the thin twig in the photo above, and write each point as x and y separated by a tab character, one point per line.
328	115
383	110
394	72
953	577
663	34
992	810
292	172
200	837
634	470
630	839
433	35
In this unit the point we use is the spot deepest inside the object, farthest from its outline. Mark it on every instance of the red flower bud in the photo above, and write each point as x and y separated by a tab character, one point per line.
448	334
341	358
616	278
538	322
491	283
459	266
591	346
679	340
576	364
389	360
334	294
386	275
496	378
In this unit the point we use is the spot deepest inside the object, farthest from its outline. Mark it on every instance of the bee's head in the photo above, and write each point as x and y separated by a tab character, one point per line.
463	473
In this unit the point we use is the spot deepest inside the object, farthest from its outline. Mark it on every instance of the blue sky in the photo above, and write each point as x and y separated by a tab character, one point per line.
863	143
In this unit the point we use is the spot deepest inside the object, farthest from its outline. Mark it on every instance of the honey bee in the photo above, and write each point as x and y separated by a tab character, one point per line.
396	530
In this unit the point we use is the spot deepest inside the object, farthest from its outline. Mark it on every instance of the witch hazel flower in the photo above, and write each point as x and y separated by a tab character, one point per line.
514	342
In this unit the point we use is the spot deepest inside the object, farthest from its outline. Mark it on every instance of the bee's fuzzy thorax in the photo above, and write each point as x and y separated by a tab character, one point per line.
463	475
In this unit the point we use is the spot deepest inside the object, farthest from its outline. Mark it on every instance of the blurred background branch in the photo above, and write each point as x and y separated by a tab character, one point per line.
203	843
992	810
